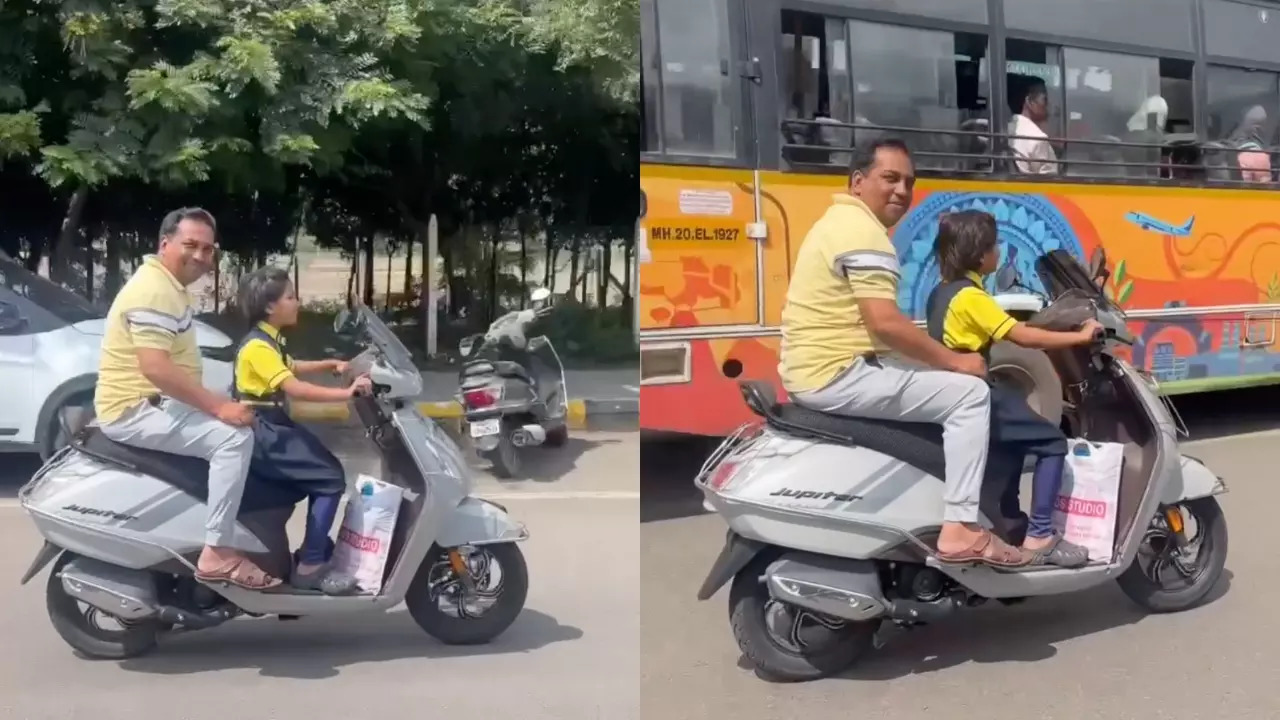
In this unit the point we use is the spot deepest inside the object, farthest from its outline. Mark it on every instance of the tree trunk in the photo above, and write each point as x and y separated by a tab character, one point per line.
368	271
355	272
64	250
493	276
408	268
575	257
111	282
88	271
524	266
604	275
386	304
217	284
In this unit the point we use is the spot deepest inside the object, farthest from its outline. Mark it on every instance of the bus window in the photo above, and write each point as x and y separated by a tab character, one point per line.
817	92
650	133
1125	99
696	78
1163	24
1237	30
928	79
1242	123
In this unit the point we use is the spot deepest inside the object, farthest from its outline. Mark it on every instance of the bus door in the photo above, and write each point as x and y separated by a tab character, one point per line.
697	169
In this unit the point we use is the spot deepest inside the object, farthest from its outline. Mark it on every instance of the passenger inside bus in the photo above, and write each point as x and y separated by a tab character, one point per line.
1253	158
1032	152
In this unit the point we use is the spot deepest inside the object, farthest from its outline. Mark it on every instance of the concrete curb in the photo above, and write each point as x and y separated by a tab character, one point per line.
449	412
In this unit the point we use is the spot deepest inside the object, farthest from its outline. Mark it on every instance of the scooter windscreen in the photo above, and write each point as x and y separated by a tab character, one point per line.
403	378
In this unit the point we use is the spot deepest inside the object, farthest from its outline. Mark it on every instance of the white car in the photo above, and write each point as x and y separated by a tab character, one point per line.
50	339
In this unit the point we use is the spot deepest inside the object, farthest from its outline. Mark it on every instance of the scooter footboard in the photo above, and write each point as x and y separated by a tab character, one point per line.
839	587
477	521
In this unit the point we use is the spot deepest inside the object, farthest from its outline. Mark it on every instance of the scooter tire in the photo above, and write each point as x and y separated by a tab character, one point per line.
747	600
1152	597
72	625
505	458
452	630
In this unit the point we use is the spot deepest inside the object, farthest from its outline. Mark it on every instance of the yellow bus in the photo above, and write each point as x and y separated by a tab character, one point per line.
1160	133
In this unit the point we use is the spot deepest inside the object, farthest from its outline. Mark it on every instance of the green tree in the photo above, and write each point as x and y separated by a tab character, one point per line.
169	92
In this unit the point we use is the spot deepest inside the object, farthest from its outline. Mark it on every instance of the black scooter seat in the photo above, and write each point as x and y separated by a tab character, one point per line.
501	368
917	444
188	474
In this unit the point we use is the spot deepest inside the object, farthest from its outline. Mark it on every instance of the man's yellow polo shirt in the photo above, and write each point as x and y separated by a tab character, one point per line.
152	310
846	256
260	368
974	319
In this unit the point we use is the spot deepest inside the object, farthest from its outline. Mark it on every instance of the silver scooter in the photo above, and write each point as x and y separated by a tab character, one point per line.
833	520
512	388
124	527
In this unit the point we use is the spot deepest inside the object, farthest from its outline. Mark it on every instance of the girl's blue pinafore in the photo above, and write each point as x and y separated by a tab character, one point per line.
286	453
1016	430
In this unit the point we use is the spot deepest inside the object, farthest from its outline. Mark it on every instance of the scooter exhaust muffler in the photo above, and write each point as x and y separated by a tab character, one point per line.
529	435
836	587
121	592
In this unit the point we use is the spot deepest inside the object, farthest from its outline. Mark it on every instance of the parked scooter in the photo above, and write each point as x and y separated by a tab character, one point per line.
512	388
833	520
126	526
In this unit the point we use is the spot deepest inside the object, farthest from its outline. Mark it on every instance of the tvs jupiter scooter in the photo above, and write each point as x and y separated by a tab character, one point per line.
124	527
833	520
512	388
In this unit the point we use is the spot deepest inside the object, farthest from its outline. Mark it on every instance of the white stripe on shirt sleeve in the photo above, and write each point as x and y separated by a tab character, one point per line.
866	261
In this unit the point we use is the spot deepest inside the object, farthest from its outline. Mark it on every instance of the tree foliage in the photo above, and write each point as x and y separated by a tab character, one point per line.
355	117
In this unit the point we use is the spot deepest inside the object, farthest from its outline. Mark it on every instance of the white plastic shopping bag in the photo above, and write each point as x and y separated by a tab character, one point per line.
1085	511
365	536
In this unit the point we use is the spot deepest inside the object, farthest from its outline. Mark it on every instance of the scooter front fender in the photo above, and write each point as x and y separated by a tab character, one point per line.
477	521
1197	481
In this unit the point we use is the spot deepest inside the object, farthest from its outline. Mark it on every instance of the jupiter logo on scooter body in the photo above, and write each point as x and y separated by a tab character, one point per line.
813	495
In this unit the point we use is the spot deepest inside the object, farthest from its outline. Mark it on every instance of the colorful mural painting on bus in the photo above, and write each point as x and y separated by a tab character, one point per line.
1228	256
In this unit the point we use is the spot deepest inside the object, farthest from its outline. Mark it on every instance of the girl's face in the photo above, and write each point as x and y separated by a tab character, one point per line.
990	261
284	312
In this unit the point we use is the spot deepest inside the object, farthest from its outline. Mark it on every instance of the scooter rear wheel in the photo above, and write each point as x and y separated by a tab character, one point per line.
80	628
818	646
505	457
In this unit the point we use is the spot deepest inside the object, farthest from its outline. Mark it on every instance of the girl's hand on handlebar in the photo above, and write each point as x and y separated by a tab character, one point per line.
362	386
1090	331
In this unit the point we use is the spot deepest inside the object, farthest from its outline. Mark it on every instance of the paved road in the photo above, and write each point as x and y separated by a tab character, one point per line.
572	654
1090	655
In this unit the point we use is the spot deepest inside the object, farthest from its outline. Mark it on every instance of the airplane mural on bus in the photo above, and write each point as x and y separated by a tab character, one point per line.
1146	222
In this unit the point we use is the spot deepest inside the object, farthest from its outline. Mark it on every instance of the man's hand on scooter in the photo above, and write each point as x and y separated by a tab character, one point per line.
339	367
969	364
362	386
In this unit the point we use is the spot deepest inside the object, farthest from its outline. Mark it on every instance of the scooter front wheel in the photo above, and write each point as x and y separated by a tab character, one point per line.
789	644
458	612
1165	578
91	632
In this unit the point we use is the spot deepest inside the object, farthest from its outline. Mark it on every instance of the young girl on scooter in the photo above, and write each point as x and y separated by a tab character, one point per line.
283	451
962	316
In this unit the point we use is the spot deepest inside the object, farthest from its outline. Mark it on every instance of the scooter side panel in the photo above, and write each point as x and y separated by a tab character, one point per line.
829	499
119	517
